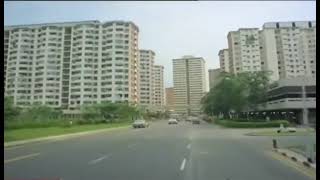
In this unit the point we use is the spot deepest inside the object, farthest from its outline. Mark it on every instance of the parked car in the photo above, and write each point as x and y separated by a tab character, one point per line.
172	121
140	124
195	121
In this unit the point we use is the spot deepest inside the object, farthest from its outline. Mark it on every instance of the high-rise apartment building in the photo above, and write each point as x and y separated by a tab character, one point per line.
287	49
214	77
170	100
189	84
146	77
244	50
158	97
293	46
224	60
73	63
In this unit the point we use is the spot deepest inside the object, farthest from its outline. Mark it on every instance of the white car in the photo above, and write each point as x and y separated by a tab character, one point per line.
289	129
140	124
172	121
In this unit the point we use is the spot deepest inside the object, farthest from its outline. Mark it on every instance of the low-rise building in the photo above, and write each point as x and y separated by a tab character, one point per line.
292	99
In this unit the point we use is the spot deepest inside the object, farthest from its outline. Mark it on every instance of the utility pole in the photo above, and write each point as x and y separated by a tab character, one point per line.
305	109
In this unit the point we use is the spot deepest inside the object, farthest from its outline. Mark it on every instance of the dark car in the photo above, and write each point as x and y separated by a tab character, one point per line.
195	121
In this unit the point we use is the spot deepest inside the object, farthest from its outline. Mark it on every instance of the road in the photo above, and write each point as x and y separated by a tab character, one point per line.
160	152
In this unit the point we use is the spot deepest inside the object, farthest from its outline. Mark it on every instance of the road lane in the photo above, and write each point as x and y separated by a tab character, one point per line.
162	151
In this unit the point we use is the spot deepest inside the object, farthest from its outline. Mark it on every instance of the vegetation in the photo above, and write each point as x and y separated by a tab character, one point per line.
44	117
156	115
234	94
30	133
237	124
109	112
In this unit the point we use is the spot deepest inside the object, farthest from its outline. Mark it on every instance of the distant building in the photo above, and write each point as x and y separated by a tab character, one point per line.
170	99
214	77
189	84
146	77
224	60
158	95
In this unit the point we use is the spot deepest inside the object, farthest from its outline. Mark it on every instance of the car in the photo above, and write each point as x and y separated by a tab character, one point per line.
172	121
196	121
289	129
140	124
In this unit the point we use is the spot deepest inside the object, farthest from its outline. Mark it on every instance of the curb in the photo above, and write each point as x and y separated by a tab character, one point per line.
293	158
305	163
70	135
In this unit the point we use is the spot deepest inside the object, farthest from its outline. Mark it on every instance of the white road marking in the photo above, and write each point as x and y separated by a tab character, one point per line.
95	161
130	146
21	157
13	147
189	146
183	164
204	152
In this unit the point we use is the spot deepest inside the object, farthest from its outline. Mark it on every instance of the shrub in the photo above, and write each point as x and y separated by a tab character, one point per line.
235	124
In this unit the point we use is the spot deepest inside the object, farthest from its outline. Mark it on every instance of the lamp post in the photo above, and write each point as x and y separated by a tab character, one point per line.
305	109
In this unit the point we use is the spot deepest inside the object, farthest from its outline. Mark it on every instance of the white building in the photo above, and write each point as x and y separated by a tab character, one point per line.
295	47
244	50
224	60
158	92
189	84
146	77
73	63
287	49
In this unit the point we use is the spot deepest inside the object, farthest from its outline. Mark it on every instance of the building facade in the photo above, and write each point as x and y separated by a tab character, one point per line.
170	99
189	84
287	49
73	63
244	50
292	99
214	77
158	97
224	60
146	77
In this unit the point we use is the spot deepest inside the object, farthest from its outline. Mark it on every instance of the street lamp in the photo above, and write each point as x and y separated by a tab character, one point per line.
305	109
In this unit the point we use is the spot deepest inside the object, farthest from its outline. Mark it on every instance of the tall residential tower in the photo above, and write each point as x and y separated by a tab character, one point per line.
189	84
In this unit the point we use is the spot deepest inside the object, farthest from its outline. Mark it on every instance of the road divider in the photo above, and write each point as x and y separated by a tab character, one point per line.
61	137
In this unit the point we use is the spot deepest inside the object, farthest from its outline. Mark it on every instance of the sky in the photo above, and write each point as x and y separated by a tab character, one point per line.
170	29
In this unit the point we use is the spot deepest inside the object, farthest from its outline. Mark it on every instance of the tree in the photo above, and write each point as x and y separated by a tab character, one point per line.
236	93
226	96
10	111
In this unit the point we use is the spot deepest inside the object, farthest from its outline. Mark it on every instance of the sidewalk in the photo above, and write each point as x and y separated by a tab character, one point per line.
300	158
60	137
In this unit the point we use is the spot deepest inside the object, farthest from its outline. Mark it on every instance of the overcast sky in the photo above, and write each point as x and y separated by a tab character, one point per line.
170	29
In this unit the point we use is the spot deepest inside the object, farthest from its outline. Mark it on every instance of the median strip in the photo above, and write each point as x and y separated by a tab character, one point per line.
61	137
21	157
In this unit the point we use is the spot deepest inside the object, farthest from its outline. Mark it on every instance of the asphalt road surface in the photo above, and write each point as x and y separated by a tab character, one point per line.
160	152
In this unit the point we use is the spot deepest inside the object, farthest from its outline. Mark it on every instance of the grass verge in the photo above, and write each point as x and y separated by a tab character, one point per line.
31	133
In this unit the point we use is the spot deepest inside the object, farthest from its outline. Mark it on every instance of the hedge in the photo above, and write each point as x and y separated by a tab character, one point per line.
235	124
